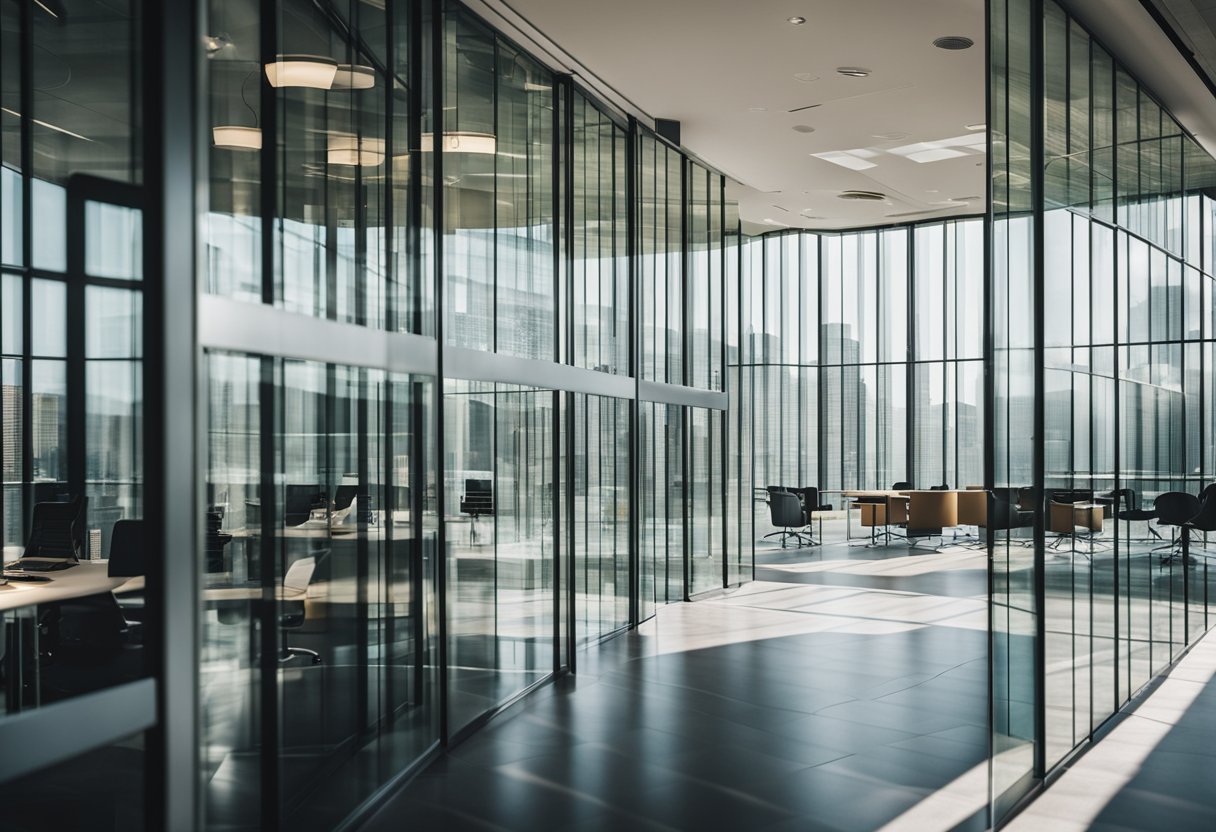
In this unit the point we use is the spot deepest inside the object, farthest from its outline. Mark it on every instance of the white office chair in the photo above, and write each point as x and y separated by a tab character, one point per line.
292	613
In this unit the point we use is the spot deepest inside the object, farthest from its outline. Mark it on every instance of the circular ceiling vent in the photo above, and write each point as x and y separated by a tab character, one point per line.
803	128
863	196
954	42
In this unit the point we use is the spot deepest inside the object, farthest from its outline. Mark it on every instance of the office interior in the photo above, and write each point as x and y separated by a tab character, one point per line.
404	423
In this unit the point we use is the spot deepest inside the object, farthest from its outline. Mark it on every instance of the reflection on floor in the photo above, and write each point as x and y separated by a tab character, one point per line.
822	697
1156	769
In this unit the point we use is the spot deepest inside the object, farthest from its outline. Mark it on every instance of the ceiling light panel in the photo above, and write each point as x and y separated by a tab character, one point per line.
852	159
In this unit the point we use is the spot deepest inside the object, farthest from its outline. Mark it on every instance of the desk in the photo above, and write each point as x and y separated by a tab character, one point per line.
870	497
83	579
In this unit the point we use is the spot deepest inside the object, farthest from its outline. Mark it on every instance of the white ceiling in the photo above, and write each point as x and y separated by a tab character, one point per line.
731	70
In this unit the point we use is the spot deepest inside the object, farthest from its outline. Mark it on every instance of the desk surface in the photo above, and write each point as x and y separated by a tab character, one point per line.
85	578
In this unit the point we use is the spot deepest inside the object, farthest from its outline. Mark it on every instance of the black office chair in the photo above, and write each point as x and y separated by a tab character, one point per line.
811	504
1205	520
1206	492
785	511
1131	511
300	501
943	487
477	501
214	541
344	495
128	552
902	486
1174	509
57	530
97	640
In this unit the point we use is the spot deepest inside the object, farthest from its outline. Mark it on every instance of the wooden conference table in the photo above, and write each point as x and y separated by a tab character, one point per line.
886	507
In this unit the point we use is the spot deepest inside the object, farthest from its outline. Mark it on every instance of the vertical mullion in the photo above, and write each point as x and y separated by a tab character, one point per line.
27	240
170	90
1037	100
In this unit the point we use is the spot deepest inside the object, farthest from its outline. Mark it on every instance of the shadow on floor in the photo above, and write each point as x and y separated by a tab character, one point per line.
813	731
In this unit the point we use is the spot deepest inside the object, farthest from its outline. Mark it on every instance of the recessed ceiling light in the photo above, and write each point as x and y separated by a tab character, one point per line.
980	126
891	137
803	128
954	42
805	77
796	20
757	109
852	71
769	221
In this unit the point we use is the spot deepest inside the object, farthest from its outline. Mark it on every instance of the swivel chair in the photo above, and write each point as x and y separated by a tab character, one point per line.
811	504
1132	512
292	612
1174	509
1204	521
785	512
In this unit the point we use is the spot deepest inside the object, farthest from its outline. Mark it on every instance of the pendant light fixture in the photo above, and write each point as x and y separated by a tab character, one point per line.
459	139
462	142
310	71
354	77
345	149
236	136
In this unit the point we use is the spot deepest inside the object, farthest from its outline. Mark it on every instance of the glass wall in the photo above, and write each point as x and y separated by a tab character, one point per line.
1102	272
660	247
333	533
848	344
1015	602
79	628
320	563
600	530
661	577
600	234
457	348
499	471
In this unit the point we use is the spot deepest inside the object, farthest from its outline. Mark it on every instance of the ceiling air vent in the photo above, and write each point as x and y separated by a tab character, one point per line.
954	42
863	196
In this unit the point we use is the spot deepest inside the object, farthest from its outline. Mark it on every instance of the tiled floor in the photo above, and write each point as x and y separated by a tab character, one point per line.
842	702
1156	769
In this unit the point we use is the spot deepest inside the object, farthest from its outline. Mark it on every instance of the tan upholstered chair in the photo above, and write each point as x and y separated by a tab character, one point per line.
973	508
932	511
1064	519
